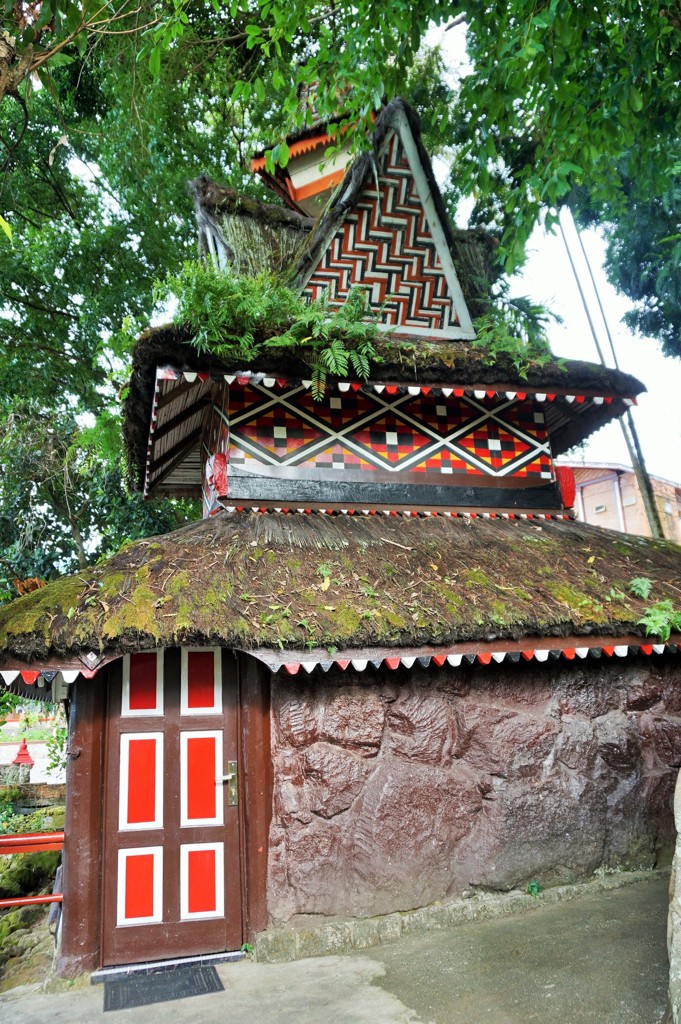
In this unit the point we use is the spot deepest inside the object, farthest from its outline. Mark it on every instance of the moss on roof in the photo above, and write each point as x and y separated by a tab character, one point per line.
281	581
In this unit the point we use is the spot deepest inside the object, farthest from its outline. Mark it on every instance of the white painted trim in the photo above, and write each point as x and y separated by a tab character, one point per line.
455	331
157	913
216	709
124	775
126	710
185	820
185	850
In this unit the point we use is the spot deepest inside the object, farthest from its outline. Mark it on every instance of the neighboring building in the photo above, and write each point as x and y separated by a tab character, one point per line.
607	494
384	668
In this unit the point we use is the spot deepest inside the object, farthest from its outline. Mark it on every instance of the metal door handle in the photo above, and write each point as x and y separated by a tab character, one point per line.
232	788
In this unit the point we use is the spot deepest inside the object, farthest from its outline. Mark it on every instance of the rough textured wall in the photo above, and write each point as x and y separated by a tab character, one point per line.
393	790
674	918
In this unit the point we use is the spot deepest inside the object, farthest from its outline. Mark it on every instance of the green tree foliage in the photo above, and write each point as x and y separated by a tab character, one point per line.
93	186
643	257
62	502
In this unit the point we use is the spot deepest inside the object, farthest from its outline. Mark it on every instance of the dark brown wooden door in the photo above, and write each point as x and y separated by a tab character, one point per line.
172	872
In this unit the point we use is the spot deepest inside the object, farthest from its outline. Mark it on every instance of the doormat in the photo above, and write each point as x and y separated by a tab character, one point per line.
160	987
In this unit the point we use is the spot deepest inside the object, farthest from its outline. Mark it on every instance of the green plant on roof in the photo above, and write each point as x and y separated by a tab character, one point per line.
660	619
232	315
641	586
514	328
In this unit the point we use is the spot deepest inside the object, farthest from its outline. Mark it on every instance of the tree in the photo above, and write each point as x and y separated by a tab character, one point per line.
94	188
62	504
561	97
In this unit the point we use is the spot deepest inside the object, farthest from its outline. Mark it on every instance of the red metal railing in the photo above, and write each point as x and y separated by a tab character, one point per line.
31	842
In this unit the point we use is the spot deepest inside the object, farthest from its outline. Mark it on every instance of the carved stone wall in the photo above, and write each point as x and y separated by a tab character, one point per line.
393	790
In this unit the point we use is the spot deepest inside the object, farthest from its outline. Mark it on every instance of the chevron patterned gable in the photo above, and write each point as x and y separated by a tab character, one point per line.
393	244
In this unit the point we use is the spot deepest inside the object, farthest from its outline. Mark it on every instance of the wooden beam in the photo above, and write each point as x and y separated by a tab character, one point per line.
175	455
281	490
80	947
186	413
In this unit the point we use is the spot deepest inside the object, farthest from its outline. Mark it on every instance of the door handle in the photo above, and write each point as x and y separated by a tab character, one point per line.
231	778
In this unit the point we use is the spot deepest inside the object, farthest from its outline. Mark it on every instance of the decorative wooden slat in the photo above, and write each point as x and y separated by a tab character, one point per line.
181	417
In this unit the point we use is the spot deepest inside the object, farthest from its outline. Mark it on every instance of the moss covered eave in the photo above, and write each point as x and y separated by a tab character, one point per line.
252	582
401	358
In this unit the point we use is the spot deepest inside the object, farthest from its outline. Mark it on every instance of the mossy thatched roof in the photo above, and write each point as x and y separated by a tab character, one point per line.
254	581
250	236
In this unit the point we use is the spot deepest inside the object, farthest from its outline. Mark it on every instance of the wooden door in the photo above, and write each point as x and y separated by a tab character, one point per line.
172	872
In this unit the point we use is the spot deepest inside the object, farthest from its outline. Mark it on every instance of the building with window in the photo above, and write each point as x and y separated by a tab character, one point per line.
607	494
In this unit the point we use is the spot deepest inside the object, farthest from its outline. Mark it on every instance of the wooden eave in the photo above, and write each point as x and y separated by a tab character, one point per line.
181	403
174	455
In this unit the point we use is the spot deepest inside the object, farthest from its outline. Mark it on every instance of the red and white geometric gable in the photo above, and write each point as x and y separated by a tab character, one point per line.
392	243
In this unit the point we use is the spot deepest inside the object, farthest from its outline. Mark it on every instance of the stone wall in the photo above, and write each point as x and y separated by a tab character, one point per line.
674	918
395	789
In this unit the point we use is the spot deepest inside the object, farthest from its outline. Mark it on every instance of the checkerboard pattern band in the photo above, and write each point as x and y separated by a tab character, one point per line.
259	427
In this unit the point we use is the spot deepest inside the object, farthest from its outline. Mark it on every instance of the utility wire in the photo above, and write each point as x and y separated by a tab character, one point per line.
628	428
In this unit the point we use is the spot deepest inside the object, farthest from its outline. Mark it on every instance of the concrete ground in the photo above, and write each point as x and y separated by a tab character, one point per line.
597	959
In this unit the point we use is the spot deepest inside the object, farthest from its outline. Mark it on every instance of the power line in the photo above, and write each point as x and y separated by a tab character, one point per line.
627	424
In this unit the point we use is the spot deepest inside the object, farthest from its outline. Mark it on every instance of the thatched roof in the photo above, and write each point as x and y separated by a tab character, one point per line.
249	235
451	364
277	582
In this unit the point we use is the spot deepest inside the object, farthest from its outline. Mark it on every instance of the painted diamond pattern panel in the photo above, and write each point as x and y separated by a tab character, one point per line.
390	439
278	433
359	432
386	246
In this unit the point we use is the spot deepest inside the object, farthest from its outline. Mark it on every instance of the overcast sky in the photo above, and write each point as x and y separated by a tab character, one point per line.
548	278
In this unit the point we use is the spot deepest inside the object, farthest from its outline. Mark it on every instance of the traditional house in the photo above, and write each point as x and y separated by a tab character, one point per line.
387	667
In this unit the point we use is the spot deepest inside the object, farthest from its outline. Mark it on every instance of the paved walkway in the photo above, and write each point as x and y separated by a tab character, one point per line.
598	959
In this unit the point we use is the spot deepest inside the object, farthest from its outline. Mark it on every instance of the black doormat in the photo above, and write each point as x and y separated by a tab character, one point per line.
160	987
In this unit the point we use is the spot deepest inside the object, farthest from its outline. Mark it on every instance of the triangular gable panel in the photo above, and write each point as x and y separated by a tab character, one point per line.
392	243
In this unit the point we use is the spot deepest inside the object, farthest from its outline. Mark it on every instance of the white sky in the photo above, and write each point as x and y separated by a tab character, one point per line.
547	277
